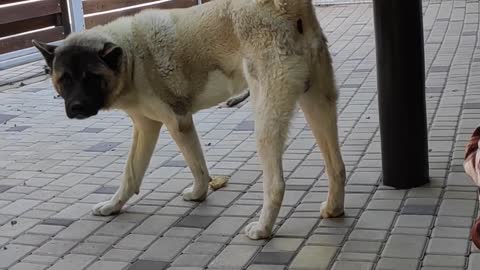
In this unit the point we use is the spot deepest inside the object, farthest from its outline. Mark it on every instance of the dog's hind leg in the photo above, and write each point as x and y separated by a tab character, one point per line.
186	138
320	109
274	96
145	136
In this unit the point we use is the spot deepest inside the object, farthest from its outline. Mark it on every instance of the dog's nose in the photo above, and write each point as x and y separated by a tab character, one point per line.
77	108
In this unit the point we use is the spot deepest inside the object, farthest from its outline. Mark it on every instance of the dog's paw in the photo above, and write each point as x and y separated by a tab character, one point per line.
256	231
190	195
330	212
106	208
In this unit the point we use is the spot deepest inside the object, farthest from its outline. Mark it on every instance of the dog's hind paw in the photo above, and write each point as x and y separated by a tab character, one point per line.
106	208
190	195
256	231
330	212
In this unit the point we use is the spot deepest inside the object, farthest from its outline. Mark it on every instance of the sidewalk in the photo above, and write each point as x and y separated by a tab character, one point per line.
53	170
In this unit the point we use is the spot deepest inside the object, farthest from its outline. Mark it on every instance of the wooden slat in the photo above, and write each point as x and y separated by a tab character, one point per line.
93	6
29	10
9	44
64	19
97	19
28	25
4	2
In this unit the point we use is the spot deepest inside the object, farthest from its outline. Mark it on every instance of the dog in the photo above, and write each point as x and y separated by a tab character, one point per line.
162	66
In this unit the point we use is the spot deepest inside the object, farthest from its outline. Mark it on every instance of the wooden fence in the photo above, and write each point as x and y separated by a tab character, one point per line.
21	21
52	20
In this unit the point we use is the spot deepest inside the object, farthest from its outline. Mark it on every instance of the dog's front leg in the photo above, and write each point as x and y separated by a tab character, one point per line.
185	136
145	136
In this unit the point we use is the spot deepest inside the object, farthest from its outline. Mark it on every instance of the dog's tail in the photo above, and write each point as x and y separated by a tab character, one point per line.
291	7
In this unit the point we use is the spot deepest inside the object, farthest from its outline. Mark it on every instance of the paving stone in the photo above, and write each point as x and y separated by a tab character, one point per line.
12	253
90	248
59	222
155	225
18	207
106	190
283	244
193	221
272	258
73	261
474	261
31	239
448	232
314	257
79	230
265	267
122	255
148	265
92	130
55	248
397	264
325	240
203	248
175	163
241	210
28	266
46	229
404	246
21	225
182	232
226	225
362	246
380	220
448	246
444	261
419	210
116	229
207	210
105	265
457	208
135	241
368	235
296	227
352	266
357	257
234	256
4	188
165	249
102	147
199	260
414	221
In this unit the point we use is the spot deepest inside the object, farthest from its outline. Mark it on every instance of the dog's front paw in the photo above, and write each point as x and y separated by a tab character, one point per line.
256	231
106	208
190	194
330	212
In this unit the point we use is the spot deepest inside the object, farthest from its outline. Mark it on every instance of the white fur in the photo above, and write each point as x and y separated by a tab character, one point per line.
207	54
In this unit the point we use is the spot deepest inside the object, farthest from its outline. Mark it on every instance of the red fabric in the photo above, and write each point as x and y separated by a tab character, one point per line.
476	233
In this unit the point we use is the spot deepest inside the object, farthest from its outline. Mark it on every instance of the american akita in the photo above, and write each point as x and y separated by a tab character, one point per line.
162	66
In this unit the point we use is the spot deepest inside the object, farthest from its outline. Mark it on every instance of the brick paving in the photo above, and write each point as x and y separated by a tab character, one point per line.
53	170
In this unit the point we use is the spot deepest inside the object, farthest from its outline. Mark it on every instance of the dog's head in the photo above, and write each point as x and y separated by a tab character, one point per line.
84	75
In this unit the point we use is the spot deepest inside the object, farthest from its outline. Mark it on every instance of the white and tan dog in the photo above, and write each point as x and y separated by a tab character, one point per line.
161	67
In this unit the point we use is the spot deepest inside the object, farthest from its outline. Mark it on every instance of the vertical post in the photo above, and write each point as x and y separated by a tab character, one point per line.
401	92
76	15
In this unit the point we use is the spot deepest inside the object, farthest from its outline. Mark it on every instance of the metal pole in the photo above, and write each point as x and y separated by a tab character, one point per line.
401	92
76	15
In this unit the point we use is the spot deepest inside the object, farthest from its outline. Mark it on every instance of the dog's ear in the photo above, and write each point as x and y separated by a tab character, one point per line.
112	55
48	51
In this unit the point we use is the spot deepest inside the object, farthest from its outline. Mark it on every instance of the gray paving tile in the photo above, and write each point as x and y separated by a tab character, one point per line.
273	258
448	246
352	266
148	265
404	247
234	256
57	221
165	249
102	147
106	190
314	257
194	221
397	264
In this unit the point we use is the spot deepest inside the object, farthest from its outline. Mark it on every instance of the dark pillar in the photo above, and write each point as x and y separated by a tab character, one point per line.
401	92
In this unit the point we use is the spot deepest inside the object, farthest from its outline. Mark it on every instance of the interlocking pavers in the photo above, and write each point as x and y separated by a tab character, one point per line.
53	170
